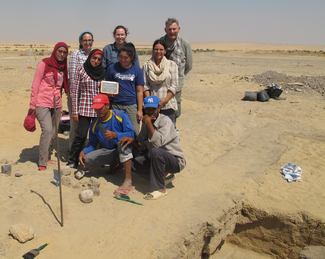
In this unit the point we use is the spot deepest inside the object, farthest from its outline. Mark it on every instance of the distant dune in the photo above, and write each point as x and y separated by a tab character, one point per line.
195	45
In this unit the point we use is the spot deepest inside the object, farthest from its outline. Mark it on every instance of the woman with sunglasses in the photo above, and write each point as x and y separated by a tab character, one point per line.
77	59
130	79
111	51
50	78
86	86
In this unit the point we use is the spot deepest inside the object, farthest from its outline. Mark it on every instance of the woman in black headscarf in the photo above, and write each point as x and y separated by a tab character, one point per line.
87	85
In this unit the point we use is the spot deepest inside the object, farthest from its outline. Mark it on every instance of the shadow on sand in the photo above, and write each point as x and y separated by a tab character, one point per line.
48	205
31	154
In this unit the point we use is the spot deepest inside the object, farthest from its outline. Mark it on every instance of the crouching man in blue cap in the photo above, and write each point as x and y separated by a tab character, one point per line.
107	130
165	155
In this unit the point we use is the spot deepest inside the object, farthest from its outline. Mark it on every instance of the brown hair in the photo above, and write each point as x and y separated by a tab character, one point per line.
121	27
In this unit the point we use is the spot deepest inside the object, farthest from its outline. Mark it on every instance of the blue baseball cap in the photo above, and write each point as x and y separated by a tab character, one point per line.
151	101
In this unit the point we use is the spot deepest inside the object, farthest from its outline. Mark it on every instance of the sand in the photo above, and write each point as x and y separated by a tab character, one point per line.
231	189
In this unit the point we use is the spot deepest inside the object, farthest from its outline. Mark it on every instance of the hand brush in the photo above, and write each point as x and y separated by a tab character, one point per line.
32	253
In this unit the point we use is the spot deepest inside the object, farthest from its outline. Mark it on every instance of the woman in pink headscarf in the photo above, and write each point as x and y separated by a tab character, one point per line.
50	78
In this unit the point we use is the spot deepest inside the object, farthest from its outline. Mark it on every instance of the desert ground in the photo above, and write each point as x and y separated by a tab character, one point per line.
229	202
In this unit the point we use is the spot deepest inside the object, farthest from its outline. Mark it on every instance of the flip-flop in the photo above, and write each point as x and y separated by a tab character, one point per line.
169	179
155	195
119	192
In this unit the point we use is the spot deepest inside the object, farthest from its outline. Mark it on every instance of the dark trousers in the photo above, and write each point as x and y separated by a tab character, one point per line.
169	112
80	139
160	162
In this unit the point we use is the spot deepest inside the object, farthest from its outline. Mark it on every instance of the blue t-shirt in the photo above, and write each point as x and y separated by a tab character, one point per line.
128	80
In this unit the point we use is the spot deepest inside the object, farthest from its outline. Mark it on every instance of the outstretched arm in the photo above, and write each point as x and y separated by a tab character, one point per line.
82	158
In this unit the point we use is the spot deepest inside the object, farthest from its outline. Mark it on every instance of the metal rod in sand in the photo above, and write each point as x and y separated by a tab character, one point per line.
58	152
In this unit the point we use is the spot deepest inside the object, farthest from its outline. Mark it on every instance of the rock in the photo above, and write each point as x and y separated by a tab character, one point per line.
74	185
4	161
18	174
93	182
6	169
22	233
11	195
86	196
66	181
298	90
66	170
312	252
95	190
79	174
295	84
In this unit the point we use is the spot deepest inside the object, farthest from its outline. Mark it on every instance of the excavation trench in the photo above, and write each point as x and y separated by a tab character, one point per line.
278	235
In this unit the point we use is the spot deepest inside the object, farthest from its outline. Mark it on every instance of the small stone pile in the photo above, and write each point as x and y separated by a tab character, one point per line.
297	84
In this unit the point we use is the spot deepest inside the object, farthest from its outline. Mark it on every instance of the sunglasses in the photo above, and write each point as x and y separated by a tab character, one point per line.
62	51
94	58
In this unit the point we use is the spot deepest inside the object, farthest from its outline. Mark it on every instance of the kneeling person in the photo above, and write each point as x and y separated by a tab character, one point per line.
107	130
159	136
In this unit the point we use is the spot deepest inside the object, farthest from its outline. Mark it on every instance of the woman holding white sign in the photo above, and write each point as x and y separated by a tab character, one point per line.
86	86
130	79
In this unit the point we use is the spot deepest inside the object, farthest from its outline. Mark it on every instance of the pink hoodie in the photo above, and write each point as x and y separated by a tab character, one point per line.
42	91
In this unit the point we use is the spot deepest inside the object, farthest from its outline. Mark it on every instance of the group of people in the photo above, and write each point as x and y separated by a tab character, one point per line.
151	95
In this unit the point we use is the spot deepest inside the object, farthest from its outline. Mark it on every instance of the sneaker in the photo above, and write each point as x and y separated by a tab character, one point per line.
79	174
41	168
72	165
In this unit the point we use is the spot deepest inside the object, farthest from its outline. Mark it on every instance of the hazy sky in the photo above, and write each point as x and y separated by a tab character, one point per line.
260	21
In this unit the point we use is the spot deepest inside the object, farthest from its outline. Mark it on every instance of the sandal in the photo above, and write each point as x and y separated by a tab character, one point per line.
122	192
155	195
